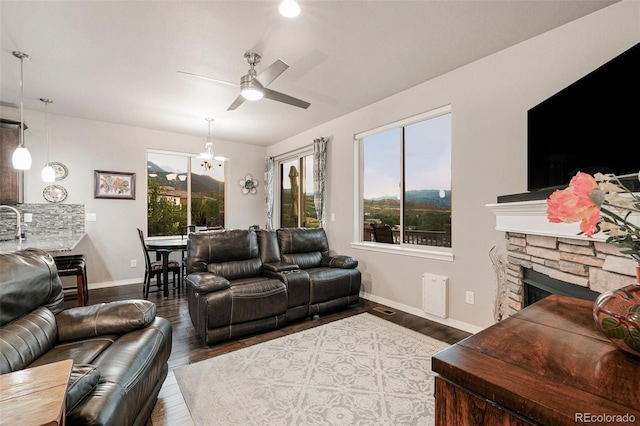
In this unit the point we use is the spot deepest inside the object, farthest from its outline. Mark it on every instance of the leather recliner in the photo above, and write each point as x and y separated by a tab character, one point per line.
334	282
227	294
244	281
119	349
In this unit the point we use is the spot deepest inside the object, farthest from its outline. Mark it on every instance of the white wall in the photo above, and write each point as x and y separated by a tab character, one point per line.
489	99
84	146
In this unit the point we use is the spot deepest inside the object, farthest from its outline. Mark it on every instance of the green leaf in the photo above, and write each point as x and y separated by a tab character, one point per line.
612	328
632	339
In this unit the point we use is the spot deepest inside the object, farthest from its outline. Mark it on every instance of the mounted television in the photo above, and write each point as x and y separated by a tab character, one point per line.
593	125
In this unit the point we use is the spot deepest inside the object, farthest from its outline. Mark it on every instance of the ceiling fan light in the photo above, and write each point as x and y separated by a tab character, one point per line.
48	174
252	94
21	158
289	8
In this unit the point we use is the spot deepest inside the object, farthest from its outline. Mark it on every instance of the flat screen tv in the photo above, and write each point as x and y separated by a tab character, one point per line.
593	125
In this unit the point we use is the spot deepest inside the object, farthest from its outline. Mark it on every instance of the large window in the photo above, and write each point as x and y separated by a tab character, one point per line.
406	181
296	192
183	190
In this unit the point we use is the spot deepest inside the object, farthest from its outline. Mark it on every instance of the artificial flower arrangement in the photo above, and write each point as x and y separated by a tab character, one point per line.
601	203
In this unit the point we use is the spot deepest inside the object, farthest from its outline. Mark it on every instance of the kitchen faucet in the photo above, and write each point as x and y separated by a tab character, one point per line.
18	230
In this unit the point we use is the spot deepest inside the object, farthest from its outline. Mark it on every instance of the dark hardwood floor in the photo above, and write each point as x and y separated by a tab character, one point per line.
188	348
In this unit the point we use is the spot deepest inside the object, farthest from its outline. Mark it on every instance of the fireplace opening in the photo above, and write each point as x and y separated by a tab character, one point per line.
537	286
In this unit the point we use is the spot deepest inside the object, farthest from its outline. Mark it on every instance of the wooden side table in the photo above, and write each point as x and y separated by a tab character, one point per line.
35	396
546	365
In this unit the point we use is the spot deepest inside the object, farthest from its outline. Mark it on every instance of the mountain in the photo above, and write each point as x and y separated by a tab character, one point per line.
430	196
199	183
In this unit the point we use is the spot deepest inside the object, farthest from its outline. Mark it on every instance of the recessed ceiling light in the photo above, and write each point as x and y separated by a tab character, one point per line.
289	8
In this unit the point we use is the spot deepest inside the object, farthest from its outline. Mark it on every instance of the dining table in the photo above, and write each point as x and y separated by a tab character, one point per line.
164	247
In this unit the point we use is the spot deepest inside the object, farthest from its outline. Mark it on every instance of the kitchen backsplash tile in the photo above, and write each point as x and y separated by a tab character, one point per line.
47	219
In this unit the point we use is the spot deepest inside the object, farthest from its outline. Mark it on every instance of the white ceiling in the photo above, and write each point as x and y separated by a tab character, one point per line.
117	61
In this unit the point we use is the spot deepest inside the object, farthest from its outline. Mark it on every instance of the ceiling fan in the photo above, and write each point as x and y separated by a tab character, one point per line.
253	86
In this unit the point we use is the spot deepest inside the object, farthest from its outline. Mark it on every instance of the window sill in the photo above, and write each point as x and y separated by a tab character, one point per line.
435	253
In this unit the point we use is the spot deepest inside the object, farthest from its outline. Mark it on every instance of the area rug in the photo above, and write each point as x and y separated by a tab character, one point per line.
361	370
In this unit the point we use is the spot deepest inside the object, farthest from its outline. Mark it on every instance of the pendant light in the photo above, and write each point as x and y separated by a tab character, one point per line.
48	174
208	153
21	158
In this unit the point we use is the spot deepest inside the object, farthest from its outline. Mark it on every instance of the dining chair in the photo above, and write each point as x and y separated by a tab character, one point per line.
154	269
382	234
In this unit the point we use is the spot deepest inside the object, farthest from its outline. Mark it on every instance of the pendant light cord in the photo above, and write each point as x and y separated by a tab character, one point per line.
21	102
46	125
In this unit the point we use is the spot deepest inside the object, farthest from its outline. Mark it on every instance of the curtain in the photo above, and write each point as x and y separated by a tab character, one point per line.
319	177
268	190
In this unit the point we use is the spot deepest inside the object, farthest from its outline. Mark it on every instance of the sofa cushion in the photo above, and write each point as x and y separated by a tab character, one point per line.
105	318
29	279
83	379
220	246
268	245
80	351
26	339
302	240
234	270
304	260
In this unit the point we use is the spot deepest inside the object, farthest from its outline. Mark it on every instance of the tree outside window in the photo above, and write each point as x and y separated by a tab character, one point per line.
296	193
183	190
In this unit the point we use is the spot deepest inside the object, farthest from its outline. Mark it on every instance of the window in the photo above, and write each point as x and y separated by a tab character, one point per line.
406	180
183	190
296	192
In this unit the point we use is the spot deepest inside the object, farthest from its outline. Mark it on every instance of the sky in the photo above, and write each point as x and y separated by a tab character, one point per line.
178	163
428	158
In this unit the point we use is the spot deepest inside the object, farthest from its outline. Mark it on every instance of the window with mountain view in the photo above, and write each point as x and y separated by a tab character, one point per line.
183	190
406	181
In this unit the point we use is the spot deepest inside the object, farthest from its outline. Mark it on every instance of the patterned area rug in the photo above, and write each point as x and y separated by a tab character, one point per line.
361	370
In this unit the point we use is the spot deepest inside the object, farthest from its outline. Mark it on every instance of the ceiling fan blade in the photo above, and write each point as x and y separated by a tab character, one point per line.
272	72
281	97
239	100
208	78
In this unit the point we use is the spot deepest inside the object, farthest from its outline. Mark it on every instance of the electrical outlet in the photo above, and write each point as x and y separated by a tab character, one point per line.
470	297
28	217
90	217
134	263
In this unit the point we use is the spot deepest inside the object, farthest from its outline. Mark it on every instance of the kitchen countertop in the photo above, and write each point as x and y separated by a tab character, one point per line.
54	243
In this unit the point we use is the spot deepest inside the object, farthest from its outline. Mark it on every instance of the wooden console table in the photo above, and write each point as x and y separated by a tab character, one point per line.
546	365
35	396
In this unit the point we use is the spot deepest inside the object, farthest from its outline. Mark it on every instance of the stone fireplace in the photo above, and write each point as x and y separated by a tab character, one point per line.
574	262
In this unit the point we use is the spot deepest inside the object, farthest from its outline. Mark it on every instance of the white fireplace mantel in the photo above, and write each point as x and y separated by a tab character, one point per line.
530	217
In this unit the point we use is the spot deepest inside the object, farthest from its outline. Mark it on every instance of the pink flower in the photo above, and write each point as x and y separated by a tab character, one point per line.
574	204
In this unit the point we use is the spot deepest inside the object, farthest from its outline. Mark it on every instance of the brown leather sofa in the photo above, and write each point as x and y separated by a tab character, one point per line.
244	281
119	349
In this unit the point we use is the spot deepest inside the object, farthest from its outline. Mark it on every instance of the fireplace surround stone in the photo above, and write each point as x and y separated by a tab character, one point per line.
555	250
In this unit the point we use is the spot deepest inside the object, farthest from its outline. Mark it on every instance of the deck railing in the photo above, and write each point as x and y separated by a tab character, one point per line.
422	238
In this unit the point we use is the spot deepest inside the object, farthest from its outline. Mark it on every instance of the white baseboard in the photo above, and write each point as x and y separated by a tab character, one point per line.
469	328
116	283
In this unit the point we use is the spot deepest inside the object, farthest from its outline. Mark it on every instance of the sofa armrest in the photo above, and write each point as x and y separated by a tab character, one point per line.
280	266
339	261
105	318
206	282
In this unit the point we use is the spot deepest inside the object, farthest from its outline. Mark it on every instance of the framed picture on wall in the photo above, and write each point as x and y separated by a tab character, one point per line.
115	185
